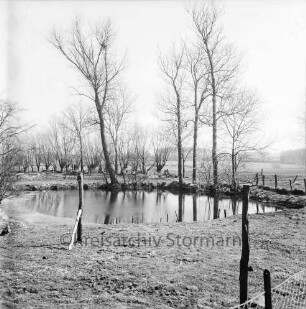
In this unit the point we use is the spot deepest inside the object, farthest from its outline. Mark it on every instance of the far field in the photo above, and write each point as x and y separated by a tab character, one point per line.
248	170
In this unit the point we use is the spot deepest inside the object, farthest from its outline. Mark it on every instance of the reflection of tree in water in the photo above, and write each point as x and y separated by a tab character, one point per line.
110	206
158	197
234	206
181	204
216	207
49	202
208	213
194	204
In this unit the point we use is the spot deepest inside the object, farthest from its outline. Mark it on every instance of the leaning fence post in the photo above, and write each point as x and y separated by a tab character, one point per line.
267	286
81	203
275	181
245	252
290	183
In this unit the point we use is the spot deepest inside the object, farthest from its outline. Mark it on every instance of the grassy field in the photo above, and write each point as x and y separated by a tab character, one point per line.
37	270
248	170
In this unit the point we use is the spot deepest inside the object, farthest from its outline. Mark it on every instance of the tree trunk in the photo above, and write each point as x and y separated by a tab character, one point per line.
159	167
214	119
214	146
116	161
108	164
233	171
195	145
233	168
81	151
179	143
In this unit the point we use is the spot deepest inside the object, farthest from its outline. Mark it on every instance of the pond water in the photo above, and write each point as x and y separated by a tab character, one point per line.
133	207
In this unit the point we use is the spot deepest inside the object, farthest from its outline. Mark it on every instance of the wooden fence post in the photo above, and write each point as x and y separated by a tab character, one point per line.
305	185
263	180
275	181
290	183
257	179
267	285
75	228
81	203
245	252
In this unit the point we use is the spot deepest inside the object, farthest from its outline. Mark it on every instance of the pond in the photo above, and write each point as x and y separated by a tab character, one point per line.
133	206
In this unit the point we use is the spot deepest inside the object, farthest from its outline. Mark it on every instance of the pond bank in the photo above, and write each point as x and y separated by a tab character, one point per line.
280	197
36	267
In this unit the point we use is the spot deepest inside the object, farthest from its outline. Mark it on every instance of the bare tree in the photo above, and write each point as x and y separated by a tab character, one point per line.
10	129
93	153
116	114
93	57
172	105
36	150
243	128
63	143
221	62
124	153
162	150
77	117
196	66
45	145
140	157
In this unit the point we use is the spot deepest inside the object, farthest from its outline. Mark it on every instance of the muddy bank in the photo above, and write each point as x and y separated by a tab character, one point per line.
271	197
37	269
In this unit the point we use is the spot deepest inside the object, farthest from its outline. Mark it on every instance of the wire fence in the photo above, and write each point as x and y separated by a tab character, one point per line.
290	294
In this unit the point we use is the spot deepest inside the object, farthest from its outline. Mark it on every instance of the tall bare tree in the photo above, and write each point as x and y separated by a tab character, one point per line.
172	105
221	61
92	55
196	65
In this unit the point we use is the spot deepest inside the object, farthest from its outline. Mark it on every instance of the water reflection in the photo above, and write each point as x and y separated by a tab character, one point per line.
134	207
194	207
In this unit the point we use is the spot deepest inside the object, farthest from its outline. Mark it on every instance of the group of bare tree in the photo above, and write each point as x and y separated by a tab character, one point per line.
201	75
10	130
72	142
92	53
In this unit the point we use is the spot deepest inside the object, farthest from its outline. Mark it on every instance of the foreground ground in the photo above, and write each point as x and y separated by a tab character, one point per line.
38	271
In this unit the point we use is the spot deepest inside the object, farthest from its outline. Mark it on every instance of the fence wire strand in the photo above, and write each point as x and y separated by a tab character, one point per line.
290	294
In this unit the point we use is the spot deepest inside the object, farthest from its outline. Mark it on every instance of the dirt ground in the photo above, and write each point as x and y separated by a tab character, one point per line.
113	270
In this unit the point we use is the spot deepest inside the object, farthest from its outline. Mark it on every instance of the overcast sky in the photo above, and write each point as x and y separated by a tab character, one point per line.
270	34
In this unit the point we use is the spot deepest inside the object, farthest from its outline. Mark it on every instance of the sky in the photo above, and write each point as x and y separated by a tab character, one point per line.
270	34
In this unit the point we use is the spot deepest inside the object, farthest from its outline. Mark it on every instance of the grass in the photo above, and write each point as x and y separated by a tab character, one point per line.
37	270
